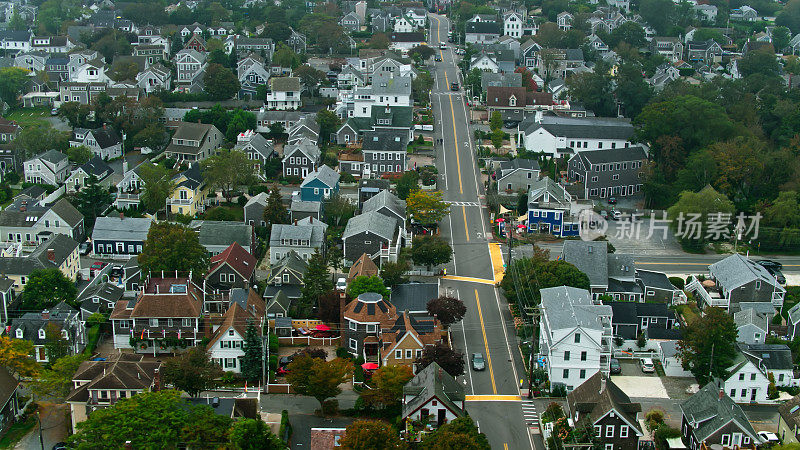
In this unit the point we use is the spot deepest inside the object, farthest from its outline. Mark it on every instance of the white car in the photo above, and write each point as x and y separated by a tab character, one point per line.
768	438
647	365
442	46
341	284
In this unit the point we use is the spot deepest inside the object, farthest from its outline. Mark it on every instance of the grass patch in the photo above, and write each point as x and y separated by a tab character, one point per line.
28	117
230	213
17	432
689	312
93	335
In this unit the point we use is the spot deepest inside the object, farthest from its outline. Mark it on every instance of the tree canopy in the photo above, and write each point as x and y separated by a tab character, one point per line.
227	170
364	283
429	250
192	371
46	288
460	433
220	82
526	276
712	333
447	358
448	310
373	434
426	208
172	247
315	377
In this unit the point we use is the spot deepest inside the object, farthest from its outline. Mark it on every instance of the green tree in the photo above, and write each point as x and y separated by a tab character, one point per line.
277	31
363	283
460	433
311	79
407	183
659	14
715	330
784	212
315	377
421	88
220	82
387	385
240	121
275	211
497	136
251	362
316	281
780	38
428	250
629	32
496	121
56	346
594	89
760	61
192	372
285	57
379	41
56	382
46	288
452	361
92	200
75	113
338	210
374	434
151	136
525	277
123	71
790	16
393	273
704	207
205	428
329	123
254	434
38	138
448	310
473	80
227	170
12	83
16	355
164	414
173	247
631	89
426	208
158	186
111	44
79	154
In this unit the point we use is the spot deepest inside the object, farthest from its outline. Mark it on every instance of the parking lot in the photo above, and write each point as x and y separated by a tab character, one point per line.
638	384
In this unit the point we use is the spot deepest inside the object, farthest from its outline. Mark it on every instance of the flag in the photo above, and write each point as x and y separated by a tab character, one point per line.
131	332
163	333
142	334
245	385
179	333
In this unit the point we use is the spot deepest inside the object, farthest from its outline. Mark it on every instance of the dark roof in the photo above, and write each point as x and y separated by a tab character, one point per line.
631	312
105	291
768	356
665	334
433	381
620	154
66	211
97	167
62	245
657	280
212	232
413	297
385	140
126	372
595	397
790	411
484	28
407	37
237	258
8	385
710	409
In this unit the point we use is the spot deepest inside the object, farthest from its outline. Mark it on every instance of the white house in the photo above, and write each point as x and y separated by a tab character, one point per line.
484	62
154	78
554	135
404	24
386	90
50	167
103	142
512	24
284	93
575	335
93	71
227	345
433	394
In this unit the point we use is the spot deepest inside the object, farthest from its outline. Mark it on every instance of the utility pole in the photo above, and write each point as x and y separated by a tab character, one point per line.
41	438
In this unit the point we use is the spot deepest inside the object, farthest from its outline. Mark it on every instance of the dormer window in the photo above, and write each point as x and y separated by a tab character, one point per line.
512	101
19	333
41	334
64	334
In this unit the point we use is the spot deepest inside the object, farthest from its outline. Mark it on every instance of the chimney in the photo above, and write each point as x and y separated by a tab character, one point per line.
121	215
602	384
295	222
310	219
51	255
721	394
46	315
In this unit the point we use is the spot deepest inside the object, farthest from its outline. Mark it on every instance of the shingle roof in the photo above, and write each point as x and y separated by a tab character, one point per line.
52	156
125	372
315	233
711	408
116	228
192	131
768	357
433	381
385	199
586	128
484	28
64	209
590	258
290	260
240	314
325	174
737	270
8	385
284	84
555	191
569	307
612	155
658	280
385	140
213	232
750	316
413	297
97	167
238	258
363	267
373	222
595	397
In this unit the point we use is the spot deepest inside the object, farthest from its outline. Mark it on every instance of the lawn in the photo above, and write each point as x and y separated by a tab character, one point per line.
232	213
27	117
17	432
689	312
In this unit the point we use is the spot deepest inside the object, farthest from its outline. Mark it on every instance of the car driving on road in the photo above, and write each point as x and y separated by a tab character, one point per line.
477	362
454	86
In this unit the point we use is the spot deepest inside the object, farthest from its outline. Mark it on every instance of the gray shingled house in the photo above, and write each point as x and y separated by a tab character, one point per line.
710	417
303	237
368	233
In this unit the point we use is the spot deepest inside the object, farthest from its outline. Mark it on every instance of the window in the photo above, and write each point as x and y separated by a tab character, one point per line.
577	338
582	374
409	354
744	393
169	322
153	322
609	431
353	325
733	392
726	440
230	332
583	356
41	334
124	324
752	377
741	377
353	344
186	322
780	378
19	333
372	328
623	431
223	277
566	355
398	354
565	374
598	430
608	447
230	363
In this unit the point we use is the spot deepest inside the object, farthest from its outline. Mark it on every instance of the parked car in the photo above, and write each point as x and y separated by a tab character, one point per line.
54	112
96	267
454	86
615	367
285	361
612	200
768	438
478	362
341	284
616	215
604	214
770	264
442	46
647	365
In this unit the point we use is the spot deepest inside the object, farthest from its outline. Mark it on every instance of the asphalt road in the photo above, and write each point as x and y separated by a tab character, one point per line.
494	394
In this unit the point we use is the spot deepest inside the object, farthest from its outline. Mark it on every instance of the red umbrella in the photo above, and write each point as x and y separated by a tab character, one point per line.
322	327
369	366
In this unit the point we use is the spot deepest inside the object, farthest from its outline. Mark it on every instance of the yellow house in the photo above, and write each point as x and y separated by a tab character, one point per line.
60	251
190	192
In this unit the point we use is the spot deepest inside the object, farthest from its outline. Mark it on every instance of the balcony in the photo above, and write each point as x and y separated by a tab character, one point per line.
708	291
180	201
128	197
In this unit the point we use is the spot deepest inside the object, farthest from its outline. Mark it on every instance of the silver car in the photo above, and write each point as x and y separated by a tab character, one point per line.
477	362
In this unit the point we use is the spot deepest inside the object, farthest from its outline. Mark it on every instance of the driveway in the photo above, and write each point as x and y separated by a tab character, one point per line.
641	386
54	427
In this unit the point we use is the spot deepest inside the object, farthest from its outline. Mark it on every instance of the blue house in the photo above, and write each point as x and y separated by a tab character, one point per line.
319	185
549	209
120	236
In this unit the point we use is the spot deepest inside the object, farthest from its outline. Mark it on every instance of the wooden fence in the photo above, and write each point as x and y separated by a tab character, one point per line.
308	340
274	388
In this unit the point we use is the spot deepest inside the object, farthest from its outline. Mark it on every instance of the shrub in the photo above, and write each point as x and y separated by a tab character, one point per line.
559	390
273	361
242	200
677	282
330	407
654	418
273	343
228	377
342	352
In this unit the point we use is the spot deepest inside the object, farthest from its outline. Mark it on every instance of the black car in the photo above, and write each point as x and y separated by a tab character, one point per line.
612	200
285	361
437	58
770	264
454	86
615	367
510	124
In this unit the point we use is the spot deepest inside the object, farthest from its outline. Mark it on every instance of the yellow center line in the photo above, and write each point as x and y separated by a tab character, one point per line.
466	230
452	110
485	342
505	446
693	264
492	398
